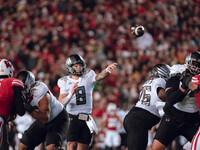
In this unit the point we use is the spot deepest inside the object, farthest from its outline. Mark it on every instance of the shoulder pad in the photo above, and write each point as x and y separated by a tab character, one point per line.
177	69
87	71
64	79
17	82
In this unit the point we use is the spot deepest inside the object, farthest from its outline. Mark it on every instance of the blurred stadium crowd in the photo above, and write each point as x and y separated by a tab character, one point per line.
39	35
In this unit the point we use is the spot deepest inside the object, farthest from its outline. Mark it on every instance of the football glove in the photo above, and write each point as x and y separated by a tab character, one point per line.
11	117
29	108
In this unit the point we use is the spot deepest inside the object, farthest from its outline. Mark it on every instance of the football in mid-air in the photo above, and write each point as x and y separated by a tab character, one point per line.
137	31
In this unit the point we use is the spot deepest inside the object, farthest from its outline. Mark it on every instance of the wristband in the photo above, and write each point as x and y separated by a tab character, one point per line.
67	99
107	70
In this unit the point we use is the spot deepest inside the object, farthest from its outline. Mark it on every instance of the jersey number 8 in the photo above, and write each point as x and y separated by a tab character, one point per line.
80	96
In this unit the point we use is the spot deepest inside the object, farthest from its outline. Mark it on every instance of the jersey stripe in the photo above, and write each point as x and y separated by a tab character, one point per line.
197	137
18	83
195	141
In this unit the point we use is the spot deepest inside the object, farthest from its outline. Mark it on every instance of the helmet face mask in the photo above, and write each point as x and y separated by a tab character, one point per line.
6	68
28	79
73	60
160	71
192	62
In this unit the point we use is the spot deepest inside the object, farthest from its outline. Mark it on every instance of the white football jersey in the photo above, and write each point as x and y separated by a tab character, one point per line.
148	96
177	69
189	103
38	92
81	101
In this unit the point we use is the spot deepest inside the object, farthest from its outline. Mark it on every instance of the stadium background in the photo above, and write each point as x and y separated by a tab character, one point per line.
39	35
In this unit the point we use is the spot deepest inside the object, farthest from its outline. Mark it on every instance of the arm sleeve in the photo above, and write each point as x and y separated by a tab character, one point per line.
174	94
18	101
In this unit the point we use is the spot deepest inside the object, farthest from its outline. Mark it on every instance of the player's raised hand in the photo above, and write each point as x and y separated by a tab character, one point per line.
75	86
111	67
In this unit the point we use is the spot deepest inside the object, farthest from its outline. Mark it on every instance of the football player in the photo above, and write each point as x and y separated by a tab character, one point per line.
194	86
145	114
11	102
49	114
76	94
111	121
181	112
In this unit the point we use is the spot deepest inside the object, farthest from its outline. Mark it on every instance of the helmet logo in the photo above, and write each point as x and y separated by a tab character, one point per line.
6	68
7	64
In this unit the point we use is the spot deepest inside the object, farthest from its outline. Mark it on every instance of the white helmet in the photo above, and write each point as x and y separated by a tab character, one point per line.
111	108
6	68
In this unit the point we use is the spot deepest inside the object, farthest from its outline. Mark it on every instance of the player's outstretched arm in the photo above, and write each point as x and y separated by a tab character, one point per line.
106	72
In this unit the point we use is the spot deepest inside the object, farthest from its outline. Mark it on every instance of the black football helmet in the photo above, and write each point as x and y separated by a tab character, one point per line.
192	62
72	60
160	71
27	78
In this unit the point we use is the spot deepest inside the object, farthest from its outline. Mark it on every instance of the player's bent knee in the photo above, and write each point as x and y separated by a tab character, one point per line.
157	145
72	145
22	146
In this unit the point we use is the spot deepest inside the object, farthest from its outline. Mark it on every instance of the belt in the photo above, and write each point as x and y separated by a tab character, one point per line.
80	116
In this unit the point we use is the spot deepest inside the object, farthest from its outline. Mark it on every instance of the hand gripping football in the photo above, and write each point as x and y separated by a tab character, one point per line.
137	31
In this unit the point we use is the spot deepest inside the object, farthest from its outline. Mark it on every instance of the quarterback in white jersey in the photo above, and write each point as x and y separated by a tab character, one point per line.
81	101
76	94
145	114
50	115
181	111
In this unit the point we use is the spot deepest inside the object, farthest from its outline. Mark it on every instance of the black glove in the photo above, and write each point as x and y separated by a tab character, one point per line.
28	107
11	117
185	79
24	98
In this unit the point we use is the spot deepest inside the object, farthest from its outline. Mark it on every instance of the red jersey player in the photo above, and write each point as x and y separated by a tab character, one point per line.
112	122
194	86
11	102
